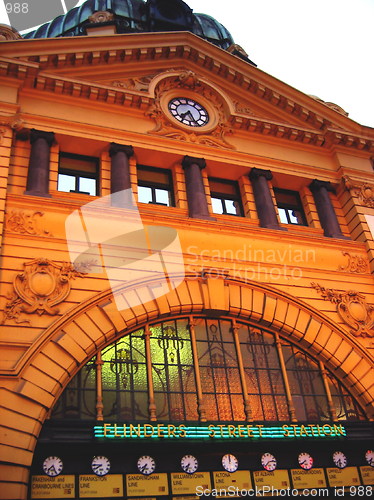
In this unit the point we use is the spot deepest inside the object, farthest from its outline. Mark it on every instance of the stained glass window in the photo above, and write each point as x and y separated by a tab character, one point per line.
268	365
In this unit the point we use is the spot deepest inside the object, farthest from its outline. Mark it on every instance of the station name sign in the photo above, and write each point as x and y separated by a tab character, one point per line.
217	431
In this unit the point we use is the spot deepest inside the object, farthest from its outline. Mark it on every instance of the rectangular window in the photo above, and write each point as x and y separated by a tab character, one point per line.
155	186
78	174
290	207
225	197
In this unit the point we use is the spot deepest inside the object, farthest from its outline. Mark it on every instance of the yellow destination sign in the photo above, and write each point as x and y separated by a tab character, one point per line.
92	486
277	478
313	478
187	483
52	487
367	474
240	479
139	485
343	477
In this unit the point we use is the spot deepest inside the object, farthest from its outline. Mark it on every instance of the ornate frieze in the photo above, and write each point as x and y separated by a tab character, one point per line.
40	288
101	16
352	308
364	191
139	84
355	264
24	222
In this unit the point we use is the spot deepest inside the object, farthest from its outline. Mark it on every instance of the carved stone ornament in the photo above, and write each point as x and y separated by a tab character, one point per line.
139	84
101	17
23	222
352	308
8	33
364	192
188	80
355	264
15	122
39	288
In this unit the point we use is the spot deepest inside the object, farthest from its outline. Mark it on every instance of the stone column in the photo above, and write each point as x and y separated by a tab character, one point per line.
38	172
325	209
120	174
196	197
264	201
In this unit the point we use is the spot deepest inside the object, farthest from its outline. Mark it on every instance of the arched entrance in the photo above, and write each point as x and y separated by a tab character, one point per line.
73	340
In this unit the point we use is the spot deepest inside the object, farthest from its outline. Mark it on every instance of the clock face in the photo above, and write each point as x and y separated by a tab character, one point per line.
189	464
53	466
305	461
340	460
369	455
100	465
268	461
230	463
188	112
146	465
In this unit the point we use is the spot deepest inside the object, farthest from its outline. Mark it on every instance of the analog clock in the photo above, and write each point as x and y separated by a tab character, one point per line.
188	112
340	460
53	466
189	464
369	455
305	461
146	465
100	465
230	462
268	461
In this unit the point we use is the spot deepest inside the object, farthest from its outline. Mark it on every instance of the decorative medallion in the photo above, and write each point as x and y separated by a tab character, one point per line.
352	308
213	128
355	264
364	192
42	285
101	17
8	33
23	222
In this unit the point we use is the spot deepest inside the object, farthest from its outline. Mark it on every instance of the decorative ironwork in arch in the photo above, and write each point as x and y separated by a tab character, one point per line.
207	369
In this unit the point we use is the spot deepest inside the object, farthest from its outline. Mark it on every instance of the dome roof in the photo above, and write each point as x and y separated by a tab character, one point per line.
136	16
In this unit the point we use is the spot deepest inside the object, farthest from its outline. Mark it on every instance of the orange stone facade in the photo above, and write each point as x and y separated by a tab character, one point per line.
314	290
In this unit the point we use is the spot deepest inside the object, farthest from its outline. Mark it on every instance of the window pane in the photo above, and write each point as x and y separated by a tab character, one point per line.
144	194
66	183
232	207
78	163
154	176
87	186
217	206
222	187
162	196
283	215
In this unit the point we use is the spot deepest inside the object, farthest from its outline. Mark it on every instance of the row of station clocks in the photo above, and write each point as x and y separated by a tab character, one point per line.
100	465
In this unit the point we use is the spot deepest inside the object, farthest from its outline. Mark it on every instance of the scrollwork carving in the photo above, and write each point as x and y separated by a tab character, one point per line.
139	84
355	264
189	80
364	192
8	33
40	288
101	16
352	308
23	222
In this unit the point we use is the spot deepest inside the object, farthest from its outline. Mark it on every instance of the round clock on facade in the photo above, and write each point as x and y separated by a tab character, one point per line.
146	465
230	462
189	464
53	466
268	461
188	112
369	456
340	460
100	465
305	461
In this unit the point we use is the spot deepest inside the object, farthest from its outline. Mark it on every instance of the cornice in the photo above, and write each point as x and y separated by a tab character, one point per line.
37	72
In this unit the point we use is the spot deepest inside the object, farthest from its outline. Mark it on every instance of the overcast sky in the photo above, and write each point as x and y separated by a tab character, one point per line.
323	47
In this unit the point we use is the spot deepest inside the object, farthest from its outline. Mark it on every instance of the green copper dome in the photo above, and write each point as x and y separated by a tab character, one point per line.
137	16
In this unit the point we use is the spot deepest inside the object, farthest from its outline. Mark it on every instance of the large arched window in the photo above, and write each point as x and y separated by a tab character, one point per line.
196	368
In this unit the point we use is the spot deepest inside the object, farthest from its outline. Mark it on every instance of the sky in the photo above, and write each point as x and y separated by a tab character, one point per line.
320	47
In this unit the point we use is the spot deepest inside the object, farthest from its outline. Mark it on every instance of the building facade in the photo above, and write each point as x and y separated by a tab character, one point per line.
187	245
